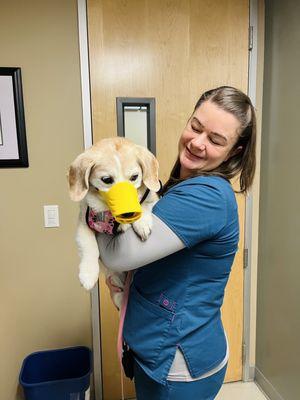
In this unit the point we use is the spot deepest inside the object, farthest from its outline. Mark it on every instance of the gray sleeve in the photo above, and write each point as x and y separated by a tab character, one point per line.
126	251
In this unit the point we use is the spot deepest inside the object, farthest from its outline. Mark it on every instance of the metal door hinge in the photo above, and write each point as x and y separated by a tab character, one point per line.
246	258
244	349
250	44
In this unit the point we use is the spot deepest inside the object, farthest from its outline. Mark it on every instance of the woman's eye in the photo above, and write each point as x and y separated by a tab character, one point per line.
134	177
215	142
196	128
107	179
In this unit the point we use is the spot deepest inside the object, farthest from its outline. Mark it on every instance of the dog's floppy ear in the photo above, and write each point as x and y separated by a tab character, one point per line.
149	166
78	175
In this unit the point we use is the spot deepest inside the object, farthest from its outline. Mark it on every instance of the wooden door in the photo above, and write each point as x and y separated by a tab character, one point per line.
171	50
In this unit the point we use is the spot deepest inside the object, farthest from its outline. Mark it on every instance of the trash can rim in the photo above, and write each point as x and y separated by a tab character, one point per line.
26	384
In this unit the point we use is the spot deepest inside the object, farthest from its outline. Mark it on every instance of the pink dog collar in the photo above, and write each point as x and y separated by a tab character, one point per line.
102	222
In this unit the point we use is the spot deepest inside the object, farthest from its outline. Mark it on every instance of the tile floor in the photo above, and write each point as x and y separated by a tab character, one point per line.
241	391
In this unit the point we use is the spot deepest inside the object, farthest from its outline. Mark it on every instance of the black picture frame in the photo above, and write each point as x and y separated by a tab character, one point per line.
13	144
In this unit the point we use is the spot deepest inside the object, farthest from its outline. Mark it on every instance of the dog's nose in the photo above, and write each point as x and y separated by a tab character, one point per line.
127	215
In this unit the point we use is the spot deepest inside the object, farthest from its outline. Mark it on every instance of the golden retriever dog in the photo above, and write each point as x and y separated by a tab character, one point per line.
106	163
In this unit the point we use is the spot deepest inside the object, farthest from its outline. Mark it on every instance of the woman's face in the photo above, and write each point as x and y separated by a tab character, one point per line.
207	139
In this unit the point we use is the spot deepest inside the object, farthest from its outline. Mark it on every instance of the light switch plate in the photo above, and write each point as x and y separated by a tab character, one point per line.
51	216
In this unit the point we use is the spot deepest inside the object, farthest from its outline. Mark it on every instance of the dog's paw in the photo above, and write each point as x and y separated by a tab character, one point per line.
142	228
118	300
123	227
88	278
117	278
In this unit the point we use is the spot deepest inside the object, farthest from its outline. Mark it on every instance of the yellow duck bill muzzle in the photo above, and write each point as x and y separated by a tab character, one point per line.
123	201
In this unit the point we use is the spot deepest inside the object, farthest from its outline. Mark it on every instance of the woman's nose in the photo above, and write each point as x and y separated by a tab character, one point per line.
198	143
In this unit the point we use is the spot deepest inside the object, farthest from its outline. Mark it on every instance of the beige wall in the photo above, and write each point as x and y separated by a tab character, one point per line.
278	317
41	302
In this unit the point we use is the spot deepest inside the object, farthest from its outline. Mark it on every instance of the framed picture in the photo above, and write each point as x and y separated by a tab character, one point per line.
13	145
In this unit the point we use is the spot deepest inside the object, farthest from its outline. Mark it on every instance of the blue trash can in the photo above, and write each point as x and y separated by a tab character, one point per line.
62	374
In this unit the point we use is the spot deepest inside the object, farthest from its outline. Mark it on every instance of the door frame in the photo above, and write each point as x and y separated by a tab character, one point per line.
251	212
88	141
255	91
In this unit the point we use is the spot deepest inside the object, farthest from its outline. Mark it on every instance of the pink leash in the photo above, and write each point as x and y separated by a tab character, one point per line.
122	314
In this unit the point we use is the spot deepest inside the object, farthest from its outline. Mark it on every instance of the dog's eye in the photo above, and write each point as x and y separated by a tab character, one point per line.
107	179
134	177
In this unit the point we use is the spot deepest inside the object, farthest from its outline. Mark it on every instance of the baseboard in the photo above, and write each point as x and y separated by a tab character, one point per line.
251	373
266	386
248	373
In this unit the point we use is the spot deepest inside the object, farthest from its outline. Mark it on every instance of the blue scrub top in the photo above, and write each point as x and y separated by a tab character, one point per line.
175	301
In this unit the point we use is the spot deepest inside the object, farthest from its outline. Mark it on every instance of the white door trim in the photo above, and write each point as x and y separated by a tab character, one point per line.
251	258
88	141
85	75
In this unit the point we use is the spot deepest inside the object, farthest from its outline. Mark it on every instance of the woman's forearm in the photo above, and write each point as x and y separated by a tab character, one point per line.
126	251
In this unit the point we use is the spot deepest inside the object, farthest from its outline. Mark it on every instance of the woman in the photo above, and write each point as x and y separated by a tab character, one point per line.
173	321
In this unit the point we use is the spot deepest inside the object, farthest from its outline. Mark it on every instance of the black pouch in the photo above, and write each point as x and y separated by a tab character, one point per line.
128	361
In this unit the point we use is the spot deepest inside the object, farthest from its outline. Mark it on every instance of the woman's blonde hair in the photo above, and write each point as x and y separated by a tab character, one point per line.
243	161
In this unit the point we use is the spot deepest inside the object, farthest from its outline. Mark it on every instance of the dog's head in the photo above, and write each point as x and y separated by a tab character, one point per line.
110	161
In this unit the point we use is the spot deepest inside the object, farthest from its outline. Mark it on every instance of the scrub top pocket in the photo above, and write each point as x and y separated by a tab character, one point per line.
146	327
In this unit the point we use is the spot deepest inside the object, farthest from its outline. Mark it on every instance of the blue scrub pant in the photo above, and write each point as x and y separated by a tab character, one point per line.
203	389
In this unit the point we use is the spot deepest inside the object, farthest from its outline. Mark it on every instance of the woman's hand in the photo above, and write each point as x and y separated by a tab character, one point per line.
113	289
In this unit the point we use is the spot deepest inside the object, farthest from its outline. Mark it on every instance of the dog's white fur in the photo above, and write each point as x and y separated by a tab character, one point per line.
122	160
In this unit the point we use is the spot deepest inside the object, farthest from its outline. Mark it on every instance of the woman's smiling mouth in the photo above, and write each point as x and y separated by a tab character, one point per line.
191	155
